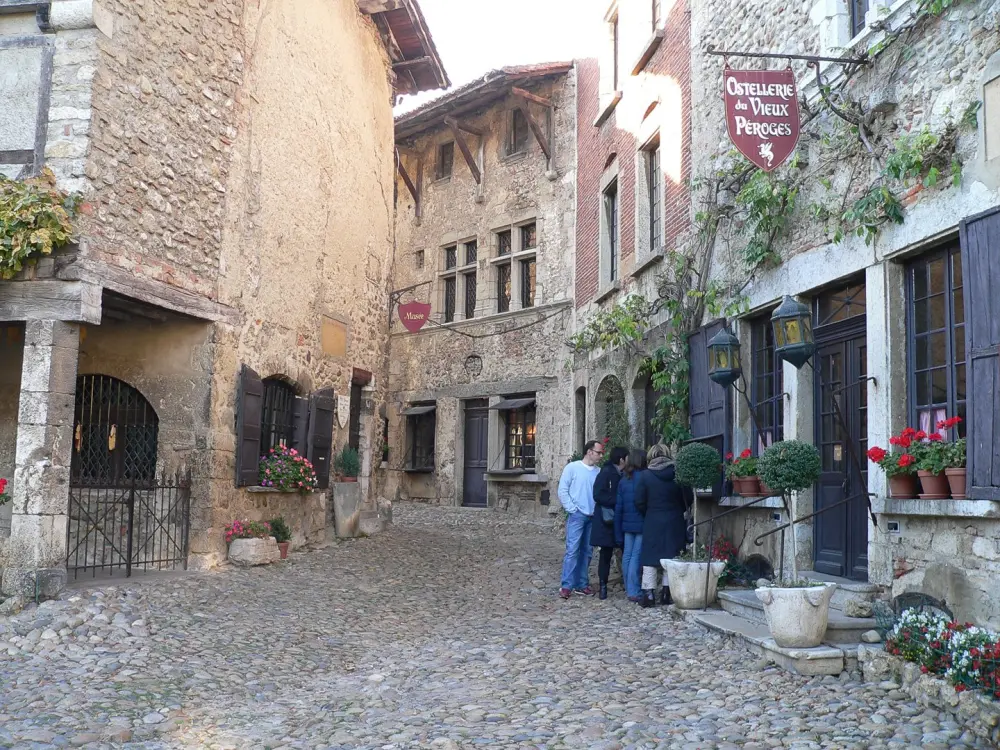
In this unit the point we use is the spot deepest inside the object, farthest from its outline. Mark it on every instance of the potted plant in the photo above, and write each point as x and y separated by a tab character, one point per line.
931	453
954	460
284	470
251	543
347	464
694	575
900	466
797	611
282	535
742	472
4	497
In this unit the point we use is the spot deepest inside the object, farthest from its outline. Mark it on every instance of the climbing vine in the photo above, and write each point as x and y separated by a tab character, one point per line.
35	218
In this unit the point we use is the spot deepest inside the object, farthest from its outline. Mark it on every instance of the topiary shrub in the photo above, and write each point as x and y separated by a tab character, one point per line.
698	465
789	466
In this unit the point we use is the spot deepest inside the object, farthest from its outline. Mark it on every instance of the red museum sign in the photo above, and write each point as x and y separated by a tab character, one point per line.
762	114
413	315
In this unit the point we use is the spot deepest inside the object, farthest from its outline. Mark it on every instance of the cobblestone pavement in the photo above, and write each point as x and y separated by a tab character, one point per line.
445	632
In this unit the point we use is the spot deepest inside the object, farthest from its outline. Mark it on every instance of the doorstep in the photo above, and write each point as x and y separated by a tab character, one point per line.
857	591
839	629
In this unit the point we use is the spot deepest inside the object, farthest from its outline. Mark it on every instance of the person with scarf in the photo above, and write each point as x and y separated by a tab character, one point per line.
602	531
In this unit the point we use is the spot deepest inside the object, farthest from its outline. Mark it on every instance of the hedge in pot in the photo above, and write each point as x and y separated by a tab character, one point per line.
797	611
693	577
282	535
347	464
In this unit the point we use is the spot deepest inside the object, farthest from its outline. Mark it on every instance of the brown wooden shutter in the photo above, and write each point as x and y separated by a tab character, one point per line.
300	425
249	405
980	237
708	402
321	410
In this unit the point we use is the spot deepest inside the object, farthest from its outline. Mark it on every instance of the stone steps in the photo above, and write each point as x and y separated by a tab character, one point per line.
839	629
851	597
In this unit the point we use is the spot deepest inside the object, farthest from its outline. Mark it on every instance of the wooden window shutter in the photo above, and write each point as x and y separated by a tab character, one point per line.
300	425
708	402
249	407
322	405
980	238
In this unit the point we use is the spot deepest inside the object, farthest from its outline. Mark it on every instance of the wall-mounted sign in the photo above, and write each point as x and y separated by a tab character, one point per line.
413	315
343	410
762	114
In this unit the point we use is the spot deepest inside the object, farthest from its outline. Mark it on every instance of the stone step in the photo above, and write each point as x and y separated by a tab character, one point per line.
839	629
822	660
856	592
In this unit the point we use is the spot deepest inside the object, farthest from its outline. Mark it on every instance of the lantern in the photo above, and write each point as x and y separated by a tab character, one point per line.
793	336
724	366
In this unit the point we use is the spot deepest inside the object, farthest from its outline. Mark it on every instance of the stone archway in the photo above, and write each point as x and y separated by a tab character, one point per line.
610	412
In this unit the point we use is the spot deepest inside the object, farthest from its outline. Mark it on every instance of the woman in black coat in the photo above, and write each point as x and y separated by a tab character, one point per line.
606	496
664	529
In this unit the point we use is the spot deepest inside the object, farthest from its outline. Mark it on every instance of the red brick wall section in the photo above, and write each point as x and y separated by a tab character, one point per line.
597	146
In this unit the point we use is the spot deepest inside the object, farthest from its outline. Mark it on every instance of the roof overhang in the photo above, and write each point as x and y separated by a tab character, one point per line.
412	54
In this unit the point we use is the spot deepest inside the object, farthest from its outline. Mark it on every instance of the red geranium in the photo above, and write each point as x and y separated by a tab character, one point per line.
876	454
920	435
729	456
909	432
935	437
4	497
947	424
746	453
903	441
905	460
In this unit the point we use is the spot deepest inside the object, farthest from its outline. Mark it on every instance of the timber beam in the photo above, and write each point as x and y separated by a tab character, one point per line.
521	93
536	129
456	130
414	188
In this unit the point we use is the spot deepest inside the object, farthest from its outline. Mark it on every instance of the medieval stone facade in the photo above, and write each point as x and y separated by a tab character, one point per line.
480	399
234	255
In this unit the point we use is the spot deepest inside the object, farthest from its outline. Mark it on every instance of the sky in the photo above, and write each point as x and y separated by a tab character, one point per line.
474	37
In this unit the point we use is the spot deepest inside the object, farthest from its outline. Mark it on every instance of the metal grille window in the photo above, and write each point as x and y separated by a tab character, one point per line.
766	388
503	242
858	10
116	432
529	236
517	139
445	160
418	258
470	295
450	257
528	283
838	305
519	447
611	228
420	426
276	415
654	186
936	339
503	287
449	299
471	252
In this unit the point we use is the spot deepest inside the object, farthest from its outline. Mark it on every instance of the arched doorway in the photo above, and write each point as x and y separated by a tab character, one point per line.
610	412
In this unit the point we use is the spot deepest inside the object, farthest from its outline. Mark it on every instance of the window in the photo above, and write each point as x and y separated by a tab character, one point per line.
418	258
766	388
528	283
450	257
529	236
657	12
610	216
838	305
654	185
936	339
449	299
276	419
420	426
470	294
518	414
503	242
503	287
471	251
614	53
517	137
445	160
858	10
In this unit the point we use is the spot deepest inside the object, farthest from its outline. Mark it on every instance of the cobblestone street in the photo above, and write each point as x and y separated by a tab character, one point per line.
445	632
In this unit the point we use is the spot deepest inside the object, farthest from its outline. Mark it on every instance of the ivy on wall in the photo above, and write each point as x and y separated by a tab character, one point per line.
35	219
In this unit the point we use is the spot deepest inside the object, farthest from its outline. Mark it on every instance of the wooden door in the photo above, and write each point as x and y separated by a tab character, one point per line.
354	420
476	458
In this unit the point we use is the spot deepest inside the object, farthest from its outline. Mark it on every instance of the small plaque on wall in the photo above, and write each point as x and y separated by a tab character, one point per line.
343	410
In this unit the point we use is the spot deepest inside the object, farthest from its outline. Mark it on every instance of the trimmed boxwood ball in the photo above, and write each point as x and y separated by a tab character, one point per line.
789	466
698	465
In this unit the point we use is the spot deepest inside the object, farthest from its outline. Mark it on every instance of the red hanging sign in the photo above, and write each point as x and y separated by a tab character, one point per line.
413	315
762	114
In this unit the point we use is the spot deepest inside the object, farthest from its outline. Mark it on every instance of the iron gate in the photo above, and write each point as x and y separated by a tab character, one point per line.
128	525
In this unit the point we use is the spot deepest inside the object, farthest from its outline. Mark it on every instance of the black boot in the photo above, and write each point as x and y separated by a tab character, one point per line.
665	596
603	591
648	599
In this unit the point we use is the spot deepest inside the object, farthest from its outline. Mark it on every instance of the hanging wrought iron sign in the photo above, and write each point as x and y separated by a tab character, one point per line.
413	315
762	114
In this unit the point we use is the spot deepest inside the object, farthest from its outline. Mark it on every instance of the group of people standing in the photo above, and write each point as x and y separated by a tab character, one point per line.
632	502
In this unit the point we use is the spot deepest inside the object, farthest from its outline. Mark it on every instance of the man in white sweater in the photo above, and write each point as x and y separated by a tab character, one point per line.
576	493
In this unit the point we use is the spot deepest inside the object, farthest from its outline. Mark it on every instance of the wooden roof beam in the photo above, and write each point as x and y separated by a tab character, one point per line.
537	131
413	188
464	148
453	124
521	93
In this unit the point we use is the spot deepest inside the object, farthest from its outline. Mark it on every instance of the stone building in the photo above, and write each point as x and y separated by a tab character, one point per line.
227	292
480	399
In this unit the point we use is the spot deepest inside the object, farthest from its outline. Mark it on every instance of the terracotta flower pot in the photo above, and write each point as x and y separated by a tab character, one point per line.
766	491
348	479
903	486
745	486
933	484
956	480
283	549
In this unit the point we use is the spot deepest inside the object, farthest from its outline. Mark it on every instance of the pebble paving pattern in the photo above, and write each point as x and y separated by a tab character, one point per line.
444	632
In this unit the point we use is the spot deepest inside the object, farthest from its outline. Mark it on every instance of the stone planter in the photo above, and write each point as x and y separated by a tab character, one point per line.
249	552
903	486
934	486
687	582
956	482
797	617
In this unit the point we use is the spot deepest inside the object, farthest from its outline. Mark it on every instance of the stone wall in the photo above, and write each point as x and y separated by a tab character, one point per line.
305	514
11	357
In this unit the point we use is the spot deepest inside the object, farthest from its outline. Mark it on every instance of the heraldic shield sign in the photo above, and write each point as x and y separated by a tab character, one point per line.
413	315
762	114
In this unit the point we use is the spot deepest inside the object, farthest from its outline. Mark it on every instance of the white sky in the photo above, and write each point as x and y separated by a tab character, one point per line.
476	36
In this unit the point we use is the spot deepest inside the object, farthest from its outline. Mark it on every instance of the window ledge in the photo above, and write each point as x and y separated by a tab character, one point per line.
606	107
516	156
414	470
608	291
273	491
736	501
439	180
891	506
515	475
647	52
650	260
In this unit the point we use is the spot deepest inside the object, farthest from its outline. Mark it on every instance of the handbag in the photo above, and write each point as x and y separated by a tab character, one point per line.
608	515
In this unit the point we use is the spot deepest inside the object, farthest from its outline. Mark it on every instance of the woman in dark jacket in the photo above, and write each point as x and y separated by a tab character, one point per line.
664	529
602	534
628	524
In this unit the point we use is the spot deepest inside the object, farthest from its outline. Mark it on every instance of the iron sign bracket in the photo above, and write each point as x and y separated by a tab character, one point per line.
812	59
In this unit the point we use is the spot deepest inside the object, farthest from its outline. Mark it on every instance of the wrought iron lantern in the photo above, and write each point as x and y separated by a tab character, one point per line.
793	336
724	365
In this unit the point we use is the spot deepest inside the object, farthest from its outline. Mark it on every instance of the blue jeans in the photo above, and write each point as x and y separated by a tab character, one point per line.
576	563
630	563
